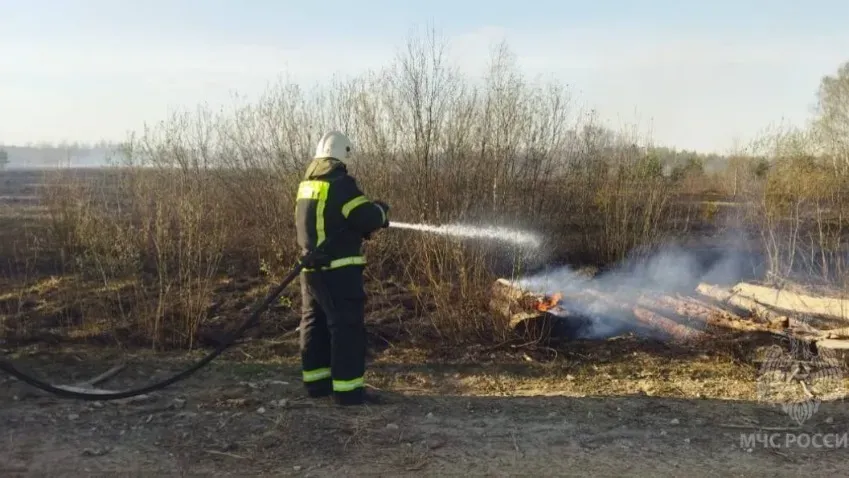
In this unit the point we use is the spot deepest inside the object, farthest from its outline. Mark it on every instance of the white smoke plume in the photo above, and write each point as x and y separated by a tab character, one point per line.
673	270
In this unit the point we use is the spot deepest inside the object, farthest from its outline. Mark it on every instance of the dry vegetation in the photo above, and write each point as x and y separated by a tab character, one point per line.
205	198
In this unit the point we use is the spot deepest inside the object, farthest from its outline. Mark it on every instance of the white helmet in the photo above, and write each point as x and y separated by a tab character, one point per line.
334	145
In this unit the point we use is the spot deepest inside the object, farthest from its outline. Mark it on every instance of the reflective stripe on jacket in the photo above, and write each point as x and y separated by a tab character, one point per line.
329	200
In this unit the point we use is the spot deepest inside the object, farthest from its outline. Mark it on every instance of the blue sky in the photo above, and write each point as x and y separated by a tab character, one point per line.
704	76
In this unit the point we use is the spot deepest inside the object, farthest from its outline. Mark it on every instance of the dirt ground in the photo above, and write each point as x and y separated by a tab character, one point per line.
615	408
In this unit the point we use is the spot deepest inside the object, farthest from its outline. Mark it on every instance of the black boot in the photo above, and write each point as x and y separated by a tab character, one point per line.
319	389
357	397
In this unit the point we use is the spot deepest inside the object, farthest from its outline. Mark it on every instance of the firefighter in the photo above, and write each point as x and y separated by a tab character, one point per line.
333	337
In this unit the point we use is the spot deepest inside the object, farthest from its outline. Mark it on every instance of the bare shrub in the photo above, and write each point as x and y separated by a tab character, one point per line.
800	207
209	193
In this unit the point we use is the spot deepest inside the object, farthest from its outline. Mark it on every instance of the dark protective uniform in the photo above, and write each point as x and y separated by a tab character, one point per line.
333	338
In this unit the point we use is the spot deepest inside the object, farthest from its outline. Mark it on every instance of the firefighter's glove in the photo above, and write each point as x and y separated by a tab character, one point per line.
385	208
315	259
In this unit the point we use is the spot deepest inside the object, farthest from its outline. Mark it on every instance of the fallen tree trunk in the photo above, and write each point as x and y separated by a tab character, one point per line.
682	306
710	315
841	333
830	307
839	349
508	299
674	329
678	331
519	308
650	319
725	296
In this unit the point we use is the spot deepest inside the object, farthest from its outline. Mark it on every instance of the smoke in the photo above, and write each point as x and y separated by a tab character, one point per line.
672	270
517	237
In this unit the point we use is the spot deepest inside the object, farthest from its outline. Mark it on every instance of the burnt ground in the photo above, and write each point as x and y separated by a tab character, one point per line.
614	407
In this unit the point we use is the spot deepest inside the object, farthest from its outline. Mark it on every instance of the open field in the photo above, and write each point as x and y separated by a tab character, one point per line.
599	407
658	363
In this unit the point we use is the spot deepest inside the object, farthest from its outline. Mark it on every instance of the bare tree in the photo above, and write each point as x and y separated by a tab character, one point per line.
425	84
832	123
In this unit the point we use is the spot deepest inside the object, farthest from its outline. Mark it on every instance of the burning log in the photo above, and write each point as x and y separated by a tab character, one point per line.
530	312
526	313
533	315
544	304
509	299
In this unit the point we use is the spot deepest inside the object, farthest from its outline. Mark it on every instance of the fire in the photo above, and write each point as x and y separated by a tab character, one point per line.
544	305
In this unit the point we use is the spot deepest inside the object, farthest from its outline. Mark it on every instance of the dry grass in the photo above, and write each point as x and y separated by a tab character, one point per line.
209	195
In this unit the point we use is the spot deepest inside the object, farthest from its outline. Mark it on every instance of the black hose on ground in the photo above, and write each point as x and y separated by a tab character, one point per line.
229	340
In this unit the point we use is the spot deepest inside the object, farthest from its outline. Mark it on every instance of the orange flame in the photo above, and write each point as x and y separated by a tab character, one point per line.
544	305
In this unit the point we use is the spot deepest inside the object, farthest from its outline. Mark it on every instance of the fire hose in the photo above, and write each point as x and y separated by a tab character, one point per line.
308	260
228	341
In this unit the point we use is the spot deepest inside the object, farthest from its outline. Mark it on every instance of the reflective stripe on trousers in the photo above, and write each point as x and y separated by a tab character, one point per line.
316	375
348	385
337	263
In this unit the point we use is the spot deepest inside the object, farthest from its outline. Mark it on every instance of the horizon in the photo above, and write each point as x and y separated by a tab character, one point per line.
706	78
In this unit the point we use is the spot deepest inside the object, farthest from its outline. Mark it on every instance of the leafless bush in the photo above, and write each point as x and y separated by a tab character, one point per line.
800	209
212	192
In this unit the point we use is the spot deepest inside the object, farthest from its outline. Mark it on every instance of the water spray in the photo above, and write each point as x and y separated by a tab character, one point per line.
515	236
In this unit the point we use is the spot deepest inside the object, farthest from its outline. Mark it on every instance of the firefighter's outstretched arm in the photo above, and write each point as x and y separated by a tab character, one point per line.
361	213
